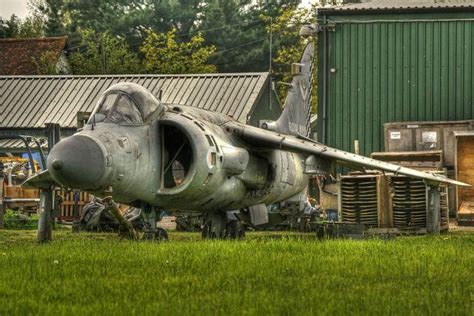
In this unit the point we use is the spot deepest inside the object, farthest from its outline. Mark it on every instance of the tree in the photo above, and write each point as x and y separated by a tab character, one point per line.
53	11
164	55
239	33
127	18
233	26
9	27
46	64
290	46
165	15
31	26
102	53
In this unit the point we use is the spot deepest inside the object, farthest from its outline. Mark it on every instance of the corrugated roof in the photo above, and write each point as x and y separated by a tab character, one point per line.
20	56
18	144
401	5
32	101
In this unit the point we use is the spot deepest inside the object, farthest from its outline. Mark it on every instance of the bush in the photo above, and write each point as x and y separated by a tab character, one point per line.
15	220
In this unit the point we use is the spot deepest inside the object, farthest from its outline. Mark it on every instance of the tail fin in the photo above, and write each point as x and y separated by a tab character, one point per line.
295	119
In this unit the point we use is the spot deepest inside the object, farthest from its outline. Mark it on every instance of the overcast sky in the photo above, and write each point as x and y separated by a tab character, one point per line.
17	7
20	7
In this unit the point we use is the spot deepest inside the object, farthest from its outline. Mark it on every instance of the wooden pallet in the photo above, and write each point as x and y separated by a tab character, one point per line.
66	209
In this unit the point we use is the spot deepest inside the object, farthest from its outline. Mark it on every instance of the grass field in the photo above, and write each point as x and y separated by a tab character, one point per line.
266	274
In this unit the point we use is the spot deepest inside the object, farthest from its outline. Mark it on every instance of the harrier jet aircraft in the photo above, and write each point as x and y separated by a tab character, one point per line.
177	157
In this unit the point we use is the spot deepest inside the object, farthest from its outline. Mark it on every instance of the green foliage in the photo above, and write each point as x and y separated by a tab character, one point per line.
46	63
165	15
234	27
164	55
290	46
15	220
103	53
239	33
128	18
54	12
234	34
268	274
31	26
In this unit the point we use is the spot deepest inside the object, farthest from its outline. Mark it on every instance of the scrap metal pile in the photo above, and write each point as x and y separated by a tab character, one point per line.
96	216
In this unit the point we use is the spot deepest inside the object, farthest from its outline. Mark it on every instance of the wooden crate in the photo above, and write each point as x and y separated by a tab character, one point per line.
66	209
422	136
419	160
464	170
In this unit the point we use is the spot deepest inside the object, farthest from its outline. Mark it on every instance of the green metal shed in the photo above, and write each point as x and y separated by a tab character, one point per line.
389	61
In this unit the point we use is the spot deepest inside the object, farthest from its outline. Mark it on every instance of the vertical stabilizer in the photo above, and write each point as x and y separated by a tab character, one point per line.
295	119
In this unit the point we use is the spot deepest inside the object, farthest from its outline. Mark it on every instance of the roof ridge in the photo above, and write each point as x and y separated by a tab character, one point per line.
399	5
201	75
43	39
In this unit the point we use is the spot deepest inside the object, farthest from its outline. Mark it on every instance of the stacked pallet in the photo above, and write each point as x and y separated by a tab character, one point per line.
409	203
359	200
389	203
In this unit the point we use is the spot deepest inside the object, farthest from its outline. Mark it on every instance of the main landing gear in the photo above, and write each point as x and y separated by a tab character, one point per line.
151	230
222	225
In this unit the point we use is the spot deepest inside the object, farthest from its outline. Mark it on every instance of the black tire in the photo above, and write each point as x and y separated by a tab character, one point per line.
160	234
235	230
206	231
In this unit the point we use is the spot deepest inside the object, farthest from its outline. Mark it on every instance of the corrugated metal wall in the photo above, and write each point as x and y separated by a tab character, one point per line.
395	70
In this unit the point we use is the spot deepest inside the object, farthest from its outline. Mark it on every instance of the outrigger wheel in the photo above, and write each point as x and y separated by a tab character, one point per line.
222	225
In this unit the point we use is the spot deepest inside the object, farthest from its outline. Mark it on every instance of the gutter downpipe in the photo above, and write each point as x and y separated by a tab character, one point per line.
325	70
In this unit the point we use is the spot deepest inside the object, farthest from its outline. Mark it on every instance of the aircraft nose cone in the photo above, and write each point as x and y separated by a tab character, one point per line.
77	162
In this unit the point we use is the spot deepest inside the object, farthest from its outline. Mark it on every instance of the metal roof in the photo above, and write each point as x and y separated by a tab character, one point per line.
18	144
401	5
32	101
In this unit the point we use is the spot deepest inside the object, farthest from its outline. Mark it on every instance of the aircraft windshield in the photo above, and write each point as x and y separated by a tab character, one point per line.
107	104
119	108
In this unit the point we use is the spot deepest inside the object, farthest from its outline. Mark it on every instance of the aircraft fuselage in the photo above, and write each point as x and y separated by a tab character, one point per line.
183	159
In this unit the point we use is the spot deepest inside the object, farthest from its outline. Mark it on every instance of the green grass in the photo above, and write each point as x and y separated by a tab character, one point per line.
14	220
276	273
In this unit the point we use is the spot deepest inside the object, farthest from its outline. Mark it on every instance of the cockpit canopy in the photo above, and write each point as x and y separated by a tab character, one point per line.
125	103
119	108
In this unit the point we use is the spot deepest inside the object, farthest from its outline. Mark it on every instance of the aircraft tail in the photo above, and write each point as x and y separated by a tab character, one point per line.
295	119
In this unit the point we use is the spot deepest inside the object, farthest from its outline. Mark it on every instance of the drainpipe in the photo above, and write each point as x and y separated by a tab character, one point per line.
325	76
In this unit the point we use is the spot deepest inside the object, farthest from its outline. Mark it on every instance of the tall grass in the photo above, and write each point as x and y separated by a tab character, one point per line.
266	274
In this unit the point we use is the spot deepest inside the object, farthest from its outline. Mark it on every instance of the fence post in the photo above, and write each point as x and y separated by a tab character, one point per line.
433	209
2	206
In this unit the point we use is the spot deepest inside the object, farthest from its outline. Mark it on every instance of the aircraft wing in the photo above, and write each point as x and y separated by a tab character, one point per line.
42	180
269	139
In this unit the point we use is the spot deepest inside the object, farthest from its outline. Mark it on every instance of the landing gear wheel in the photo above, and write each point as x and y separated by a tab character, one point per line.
235	230
159	234
207	232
